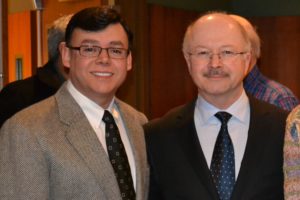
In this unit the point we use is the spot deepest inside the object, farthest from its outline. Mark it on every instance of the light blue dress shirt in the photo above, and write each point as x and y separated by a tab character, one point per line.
208	126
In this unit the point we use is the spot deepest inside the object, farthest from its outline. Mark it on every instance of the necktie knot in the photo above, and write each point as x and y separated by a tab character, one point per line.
223	117
107	117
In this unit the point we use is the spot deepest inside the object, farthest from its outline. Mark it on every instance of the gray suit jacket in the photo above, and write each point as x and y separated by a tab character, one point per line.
50	151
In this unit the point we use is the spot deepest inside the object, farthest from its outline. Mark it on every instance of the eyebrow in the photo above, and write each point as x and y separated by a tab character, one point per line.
95	42
117	43
221	47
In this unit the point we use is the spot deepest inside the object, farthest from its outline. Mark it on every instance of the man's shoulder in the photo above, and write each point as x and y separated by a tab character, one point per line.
173	116
35	113
19	85
264	108
128	110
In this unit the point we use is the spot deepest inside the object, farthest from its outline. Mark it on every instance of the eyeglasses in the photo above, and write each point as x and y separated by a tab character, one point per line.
95	51
225	56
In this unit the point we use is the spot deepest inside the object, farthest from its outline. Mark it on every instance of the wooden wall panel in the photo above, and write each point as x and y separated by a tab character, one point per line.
170	84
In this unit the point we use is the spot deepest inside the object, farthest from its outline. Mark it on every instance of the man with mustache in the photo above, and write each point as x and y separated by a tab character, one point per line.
225	144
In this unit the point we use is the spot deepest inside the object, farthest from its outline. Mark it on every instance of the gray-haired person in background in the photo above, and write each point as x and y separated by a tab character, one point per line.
22	93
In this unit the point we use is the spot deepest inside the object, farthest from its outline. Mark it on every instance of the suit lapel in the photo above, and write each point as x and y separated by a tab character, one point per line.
190	144
86	143
136	139
257	135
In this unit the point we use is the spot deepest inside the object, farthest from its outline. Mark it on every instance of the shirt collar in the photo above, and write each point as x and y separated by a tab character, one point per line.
92	110
239	109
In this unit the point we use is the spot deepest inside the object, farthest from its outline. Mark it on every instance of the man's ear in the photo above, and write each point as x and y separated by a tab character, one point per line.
65	54
187	58
129	62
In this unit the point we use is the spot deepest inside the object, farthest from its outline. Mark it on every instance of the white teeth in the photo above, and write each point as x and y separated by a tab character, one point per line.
102	73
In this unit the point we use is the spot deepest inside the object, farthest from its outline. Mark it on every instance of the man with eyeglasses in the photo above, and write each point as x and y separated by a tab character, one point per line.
83	142
225	145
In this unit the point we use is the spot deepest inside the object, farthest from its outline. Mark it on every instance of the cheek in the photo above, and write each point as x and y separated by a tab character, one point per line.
245	68
197	70
79	66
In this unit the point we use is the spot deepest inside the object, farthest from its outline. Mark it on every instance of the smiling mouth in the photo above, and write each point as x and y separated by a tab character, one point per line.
102	74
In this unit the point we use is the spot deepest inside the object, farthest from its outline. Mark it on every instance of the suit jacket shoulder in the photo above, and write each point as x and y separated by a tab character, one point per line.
171	118
131	112
55	137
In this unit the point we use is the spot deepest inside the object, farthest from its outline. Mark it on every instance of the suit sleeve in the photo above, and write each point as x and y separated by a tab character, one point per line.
23	167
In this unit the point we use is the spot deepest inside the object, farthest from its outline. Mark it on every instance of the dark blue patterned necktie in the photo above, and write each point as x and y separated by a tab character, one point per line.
118	157
222	165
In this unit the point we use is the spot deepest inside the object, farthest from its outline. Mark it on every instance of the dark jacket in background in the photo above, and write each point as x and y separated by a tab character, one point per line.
23	93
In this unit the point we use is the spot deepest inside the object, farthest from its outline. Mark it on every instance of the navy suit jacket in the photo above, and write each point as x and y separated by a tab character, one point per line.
179	169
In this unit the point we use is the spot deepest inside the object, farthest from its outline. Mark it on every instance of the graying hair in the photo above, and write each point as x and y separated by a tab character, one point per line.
252	34
56	34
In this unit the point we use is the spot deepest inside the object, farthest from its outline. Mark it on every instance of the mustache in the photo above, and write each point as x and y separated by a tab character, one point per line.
215	72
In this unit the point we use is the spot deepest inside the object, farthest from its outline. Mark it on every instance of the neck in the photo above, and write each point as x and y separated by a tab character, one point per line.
222	101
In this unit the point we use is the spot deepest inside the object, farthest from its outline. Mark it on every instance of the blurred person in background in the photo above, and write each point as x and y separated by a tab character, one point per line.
259	85
22	93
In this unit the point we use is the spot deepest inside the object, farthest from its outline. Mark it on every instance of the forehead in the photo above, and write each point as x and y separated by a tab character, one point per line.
112	34
216	32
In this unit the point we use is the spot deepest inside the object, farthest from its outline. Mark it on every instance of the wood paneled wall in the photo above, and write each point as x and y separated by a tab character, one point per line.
170	84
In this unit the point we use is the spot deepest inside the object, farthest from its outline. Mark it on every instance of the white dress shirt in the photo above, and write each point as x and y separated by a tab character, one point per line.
94	114
208	126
